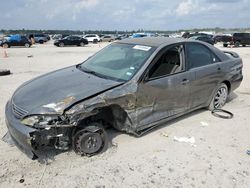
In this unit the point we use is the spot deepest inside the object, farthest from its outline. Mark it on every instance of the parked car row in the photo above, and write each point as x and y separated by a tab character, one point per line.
236	39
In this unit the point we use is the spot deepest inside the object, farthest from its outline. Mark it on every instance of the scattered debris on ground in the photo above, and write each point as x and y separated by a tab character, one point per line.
190	140
204	124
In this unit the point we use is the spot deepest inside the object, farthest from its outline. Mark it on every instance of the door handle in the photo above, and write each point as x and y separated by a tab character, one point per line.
185	81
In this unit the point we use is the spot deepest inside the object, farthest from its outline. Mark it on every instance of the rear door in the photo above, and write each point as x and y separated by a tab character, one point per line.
165	92
203	64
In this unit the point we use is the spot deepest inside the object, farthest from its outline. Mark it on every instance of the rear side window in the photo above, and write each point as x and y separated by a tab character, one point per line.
198	55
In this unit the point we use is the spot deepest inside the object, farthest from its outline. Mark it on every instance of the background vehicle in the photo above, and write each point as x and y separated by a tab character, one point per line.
107	38
58	36
39	38
222	38
140	35
92	38
239	39
203	38
71	40
16	40
121	37
189	35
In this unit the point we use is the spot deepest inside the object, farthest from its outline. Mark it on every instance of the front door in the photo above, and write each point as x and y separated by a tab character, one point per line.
165	92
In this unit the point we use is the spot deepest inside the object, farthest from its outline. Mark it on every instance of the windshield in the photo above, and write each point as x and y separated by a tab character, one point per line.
118	61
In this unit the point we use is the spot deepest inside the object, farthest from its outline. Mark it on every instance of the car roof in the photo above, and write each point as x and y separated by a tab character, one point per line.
152	41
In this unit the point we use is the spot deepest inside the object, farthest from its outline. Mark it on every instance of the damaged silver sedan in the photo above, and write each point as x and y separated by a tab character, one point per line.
132	85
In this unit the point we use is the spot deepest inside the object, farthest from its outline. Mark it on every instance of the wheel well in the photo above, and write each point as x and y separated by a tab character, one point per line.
110	116
228	85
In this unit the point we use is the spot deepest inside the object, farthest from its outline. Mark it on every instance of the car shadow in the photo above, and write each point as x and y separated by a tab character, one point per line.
231	97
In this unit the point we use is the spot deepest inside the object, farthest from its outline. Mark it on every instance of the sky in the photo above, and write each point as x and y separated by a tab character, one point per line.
124	14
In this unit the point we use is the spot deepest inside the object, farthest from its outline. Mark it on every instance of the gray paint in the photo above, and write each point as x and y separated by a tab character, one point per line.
134	106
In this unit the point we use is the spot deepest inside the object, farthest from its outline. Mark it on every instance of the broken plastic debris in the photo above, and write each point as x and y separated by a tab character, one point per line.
190	140
164	134
21	180
204	124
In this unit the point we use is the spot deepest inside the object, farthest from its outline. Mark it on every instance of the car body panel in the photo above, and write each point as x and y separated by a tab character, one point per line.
161	98
132	106
66	83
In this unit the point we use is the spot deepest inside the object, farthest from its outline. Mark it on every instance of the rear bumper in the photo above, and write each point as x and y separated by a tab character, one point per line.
19	133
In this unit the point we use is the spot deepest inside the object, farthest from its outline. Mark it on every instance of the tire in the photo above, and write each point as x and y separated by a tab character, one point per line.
225	45
237	44
4	72
82	44
6	45
27	45
95	41
90	140
61	44
244	45
220	97
41	41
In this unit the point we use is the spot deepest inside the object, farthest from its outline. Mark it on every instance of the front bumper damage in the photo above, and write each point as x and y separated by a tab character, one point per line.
31	140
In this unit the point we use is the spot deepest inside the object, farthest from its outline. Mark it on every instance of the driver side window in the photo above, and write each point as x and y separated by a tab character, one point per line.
170	62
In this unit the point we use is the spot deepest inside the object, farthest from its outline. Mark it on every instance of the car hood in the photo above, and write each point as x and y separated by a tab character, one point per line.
58	90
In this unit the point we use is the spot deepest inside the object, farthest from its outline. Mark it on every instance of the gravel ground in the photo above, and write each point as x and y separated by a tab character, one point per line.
217	159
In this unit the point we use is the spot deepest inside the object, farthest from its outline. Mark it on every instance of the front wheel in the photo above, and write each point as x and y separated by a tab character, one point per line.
6	45
220	97
90	140
82	44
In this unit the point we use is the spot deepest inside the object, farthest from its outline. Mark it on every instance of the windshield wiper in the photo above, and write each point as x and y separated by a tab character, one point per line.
84	69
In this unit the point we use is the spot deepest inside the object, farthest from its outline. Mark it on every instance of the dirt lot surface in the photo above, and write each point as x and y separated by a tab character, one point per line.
217	159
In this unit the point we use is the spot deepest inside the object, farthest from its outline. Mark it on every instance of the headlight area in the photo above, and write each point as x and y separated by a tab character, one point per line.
51	131
45	121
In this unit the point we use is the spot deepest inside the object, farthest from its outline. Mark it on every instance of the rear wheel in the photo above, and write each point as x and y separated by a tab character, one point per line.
89	140
27	45
82	44
220	97
225	45
237	44
61	44
41	41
